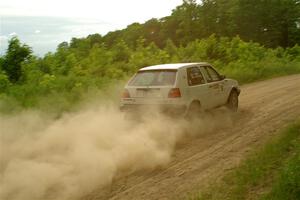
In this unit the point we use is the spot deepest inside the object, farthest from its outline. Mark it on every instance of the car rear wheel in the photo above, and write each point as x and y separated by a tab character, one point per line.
233	101
194	110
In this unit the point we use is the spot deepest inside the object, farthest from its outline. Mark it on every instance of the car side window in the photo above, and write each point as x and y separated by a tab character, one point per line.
211	74
194	76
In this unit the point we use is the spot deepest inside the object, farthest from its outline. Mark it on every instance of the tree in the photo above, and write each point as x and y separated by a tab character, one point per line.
95	39
269	22
15	55
121	52
151	30
187	18
4	82
132	33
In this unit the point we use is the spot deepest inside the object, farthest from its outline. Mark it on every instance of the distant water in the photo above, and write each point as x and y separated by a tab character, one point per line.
43	34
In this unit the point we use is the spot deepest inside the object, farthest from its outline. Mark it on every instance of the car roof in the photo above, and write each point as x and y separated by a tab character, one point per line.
173	66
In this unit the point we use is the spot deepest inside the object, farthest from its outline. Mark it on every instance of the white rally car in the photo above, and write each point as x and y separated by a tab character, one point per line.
180	89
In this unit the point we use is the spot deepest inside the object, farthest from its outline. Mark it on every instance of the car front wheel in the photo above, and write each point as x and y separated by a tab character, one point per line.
233	101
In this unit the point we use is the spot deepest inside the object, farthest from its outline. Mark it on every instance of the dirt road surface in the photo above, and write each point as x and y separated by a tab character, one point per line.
265	107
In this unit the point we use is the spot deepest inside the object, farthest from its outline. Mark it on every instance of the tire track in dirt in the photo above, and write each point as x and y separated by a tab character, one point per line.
265	107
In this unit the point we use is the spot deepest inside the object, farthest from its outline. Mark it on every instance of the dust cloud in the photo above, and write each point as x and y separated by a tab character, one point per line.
66	158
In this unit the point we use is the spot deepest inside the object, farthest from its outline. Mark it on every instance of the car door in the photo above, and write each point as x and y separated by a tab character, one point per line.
196	88
215	85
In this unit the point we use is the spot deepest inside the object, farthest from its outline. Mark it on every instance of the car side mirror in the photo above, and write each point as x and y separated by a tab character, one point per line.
222	77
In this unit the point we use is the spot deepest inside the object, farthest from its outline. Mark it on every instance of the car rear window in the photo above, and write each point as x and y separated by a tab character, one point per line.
154	78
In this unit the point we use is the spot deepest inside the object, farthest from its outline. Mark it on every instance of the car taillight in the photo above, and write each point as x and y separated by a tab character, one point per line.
125	94
174	93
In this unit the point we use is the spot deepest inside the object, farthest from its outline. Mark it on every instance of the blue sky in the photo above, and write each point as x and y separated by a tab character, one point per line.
42	24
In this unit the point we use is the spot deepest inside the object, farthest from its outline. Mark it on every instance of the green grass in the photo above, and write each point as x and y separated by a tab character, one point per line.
272	172
287	185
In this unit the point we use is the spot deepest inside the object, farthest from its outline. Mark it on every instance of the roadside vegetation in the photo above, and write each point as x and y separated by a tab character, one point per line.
272	172
60	80
221	32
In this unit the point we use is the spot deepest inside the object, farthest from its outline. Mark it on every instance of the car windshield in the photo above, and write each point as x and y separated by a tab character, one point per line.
154	78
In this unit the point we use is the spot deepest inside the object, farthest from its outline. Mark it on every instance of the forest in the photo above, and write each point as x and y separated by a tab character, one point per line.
246	40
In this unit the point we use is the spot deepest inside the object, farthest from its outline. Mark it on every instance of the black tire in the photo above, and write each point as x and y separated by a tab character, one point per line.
233	101
194	110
